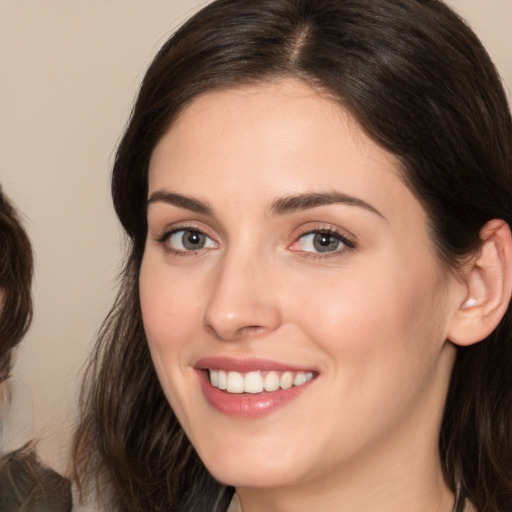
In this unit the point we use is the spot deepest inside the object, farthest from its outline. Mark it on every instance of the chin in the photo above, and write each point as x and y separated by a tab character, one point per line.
242	475
245	468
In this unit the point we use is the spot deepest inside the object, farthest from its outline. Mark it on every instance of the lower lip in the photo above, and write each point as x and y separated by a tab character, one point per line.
246	405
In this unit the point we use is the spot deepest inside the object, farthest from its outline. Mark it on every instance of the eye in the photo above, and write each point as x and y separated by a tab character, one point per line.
321	241
185	240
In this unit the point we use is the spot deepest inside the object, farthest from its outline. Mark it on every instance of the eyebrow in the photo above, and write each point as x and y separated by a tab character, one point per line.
281	206
299	202
180	201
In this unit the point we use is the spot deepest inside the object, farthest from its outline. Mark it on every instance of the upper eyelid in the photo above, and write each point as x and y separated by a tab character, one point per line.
160	222
326	228
173	227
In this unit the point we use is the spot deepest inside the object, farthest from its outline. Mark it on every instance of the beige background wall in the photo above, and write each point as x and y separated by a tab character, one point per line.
69	71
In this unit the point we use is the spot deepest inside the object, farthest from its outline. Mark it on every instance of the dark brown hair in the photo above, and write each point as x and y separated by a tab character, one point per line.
422	86
15	282
26	485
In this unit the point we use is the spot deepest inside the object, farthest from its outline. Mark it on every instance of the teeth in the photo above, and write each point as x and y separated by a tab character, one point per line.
300	378
256	382
214	378
235	383
223	380
253	383
272	381
286	380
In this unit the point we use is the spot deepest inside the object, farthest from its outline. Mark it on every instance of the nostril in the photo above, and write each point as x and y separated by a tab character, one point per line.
235	334
250	330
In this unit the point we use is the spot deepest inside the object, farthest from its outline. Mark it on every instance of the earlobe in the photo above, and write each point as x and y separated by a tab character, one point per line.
488	281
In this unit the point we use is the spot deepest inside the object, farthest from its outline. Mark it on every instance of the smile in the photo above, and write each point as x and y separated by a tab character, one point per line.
255	382
251	388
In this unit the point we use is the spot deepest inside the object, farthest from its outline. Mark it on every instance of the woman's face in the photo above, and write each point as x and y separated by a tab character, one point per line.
287	260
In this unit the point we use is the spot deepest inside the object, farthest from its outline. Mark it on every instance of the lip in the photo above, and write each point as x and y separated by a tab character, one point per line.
229	364
245	405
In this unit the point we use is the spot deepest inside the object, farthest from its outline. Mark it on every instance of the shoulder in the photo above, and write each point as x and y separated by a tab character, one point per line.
26	484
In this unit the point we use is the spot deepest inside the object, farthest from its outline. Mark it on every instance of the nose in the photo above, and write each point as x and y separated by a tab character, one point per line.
242	301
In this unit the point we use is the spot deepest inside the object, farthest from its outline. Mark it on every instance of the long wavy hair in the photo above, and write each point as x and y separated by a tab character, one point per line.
25	484
16	266
422	86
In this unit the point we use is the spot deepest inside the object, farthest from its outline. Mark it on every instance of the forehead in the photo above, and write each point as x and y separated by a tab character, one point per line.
259	142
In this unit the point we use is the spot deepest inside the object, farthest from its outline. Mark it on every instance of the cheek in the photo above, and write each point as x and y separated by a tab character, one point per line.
170	315
376	317
382	336
170	305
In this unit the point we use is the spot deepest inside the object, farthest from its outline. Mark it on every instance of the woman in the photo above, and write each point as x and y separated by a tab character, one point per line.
25	484
315	309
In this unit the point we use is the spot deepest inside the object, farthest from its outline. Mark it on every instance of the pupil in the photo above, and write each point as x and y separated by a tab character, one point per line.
325	242
193	240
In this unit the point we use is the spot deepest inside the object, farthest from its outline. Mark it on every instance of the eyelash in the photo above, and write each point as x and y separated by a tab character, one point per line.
163	240
348	244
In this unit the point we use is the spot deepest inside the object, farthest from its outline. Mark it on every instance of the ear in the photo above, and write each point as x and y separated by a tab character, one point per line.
488	286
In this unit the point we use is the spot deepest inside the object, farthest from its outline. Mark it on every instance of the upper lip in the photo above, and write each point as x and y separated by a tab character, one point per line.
244	365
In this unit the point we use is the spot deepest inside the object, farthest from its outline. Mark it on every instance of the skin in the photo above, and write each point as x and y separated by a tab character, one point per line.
371	321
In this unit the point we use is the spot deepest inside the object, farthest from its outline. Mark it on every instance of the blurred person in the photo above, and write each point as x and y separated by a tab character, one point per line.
25	484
